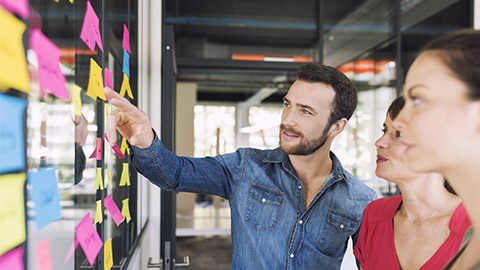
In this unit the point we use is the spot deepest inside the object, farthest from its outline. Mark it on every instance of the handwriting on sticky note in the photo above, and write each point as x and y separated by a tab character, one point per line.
50	75
126	39
113	210
11	133
16	6
45	195
95	81
90	33
44	260
88	238
13	64
12	212
12	260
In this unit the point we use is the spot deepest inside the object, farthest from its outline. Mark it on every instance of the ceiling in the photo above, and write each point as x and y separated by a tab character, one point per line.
209	33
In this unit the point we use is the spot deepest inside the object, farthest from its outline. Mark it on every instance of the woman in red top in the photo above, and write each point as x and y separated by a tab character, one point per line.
420	229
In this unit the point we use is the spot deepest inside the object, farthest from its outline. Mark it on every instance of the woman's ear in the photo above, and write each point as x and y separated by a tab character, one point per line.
338	127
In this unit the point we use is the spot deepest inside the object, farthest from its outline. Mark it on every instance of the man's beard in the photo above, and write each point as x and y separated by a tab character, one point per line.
305	146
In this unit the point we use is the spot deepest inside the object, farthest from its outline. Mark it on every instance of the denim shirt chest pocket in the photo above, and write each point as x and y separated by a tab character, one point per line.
263	207
335	233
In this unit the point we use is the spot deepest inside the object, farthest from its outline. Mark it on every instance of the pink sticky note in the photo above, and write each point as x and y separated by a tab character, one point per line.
116	148
113	210
126	39
16	6
12	260
50	75
108	80
44	260
90	33
71	250
97	153
88	238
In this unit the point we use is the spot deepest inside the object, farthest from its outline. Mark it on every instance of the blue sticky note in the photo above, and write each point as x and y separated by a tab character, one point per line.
45	195
12	149
126	63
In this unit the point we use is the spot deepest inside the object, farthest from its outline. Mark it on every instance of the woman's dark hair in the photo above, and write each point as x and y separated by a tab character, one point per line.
460	51
393	111
345	100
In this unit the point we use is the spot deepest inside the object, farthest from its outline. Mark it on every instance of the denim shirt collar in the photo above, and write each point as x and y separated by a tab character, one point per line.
278	156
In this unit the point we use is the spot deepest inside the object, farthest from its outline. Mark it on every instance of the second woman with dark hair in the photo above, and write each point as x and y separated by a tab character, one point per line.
420	229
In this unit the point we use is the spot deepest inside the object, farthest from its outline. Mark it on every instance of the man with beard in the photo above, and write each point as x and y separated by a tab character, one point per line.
293	207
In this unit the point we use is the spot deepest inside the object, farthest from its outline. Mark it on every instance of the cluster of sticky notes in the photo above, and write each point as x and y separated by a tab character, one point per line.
45	195
126	64
12	211
13	64
12	153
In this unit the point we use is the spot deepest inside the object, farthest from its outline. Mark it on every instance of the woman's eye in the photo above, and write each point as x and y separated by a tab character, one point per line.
384	130
416	100
398	134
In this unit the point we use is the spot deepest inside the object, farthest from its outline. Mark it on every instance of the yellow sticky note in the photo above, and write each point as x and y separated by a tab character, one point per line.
126	87
95	82
125	178
13	64
126	210
99	212
109	179
12	211
106	109
124	147
77	99
99	180
108	255
71	1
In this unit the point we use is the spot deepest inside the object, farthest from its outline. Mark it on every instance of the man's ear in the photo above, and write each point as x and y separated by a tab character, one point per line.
338	127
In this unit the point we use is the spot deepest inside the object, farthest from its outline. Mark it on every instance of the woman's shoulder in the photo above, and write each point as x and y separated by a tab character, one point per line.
383	208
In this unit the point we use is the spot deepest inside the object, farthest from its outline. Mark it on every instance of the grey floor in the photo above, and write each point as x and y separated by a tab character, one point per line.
214	252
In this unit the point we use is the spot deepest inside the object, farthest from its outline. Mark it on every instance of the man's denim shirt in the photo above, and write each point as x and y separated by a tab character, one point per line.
271	229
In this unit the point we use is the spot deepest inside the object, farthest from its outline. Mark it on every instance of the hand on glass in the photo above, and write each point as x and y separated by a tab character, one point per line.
131	122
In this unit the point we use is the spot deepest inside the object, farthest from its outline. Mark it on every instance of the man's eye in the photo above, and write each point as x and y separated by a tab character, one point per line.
306	112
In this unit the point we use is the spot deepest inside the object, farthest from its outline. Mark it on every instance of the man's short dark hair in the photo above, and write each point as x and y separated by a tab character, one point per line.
345	100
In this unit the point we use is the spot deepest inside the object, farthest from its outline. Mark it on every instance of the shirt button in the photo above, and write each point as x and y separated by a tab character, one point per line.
263	200
300	221
291	255
299	187
341	226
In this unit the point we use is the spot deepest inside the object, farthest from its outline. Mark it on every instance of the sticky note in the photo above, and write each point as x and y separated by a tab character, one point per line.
108	79
95	81
108	255
107	172
18	6
12	149
125	178
106	107
13	64
77	99
12	260
97	152
126	63
50	75
115	148
88	238
71	250
113	210
124	146
126	39
44	260
126	87
12	211
90	33
126	210
99	180
99	212
45	195
71	1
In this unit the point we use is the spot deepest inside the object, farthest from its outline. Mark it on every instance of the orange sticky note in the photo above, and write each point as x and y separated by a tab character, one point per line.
126	210
13	64
95	82
125	178
126	87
